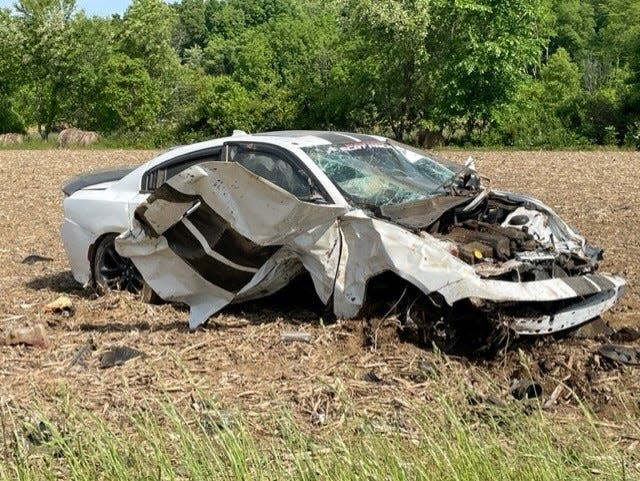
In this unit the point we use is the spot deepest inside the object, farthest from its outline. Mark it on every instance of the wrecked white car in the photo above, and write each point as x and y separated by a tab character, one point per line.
238	218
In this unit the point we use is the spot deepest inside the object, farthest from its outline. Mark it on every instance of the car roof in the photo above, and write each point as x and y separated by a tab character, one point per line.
290	138
319	136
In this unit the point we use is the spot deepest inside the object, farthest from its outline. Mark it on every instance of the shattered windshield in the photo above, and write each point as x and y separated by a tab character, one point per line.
378	173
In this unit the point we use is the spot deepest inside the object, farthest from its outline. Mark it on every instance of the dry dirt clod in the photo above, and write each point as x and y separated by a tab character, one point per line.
592	330
626	334
29	336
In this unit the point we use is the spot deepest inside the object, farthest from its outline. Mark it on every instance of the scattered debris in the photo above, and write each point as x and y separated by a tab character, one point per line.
218	420
489	400
426	370
62	305
33	258
81	354
38	433
295	336
620	354
525	389
13	317
119	355
594	329
29	336
371	376
555	395
626	334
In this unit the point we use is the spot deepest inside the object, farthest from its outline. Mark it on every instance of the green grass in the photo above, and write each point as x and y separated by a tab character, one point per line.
441	440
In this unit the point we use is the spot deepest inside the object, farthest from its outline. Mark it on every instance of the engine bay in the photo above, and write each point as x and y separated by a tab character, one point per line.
504	238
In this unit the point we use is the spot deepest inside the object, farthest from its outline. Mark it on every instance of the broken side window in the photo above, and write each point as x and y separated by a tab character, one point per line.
274	168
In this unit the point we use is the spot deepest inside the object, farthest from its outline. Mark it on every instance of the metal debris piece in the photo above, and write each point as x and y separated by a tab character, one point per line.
62	305
593	329
426	370
371	376
295	336
626	334
119	355
29	336
526	389
38	433
33	258
621	354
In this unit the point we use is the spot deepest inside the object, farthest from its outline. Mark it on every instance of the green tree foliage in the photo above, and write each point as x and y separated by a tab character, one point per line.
536	115
128	98
10	119
519	72
49	57
440	60
483	50
191	27
145	34
575	26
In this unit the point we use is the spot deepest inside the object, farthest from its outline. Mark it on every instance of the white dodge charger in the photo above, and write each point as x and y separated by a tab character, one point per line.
366	218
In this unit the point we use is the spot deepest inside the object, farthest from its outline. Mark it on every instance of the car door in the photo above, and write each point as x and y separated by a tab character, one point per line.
235	228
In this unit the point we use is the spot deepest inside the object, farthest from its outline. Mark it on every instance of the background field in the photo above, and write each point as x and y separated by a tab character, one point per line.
351	370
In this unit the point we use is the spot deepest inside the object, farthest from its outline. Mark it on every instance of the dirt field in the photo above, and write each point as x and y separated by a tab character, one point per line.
240	359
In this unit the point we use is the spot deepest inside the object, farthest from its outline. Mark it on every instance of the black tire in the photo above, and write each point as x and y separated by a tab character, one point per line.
111	271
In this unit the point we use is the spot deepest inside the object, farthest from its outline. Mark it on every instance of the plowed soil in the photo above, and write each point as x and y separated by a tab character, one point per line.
239	358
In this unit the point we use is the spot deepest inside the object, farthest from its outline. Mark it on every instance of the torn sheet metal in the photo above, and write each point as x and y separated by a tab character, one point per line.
217	232
371	246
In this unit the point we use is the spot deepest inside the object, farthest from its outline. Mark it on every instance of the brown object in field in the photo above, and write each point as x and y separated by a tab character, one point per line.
11	139
62	305
76	136
29	336
430	138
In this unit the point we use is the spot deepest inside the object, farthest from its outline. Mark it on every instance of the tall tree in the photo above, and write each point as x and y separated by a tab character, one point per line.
574	27
50	58
10	120
441	59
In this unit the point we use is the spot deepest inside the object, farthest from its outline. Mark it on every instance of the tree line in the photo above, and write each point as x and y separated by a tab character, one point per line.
527	73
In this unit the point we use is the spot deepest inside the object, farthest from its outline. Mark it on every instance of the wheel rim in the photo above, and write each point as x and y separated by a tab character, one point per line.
118	273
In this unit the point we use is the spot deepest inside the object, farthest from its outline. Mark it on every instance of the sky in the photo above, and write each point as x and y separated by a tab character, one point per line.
91	7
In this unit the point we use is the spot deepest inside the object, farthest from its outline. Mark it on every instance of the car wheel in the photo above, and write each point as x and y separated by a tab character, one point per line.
112	271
